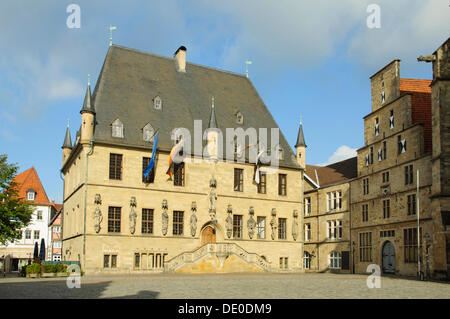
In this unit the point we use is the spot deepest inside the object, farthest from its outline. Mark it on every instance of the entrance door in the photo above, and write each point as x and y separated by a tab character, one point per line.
208	235
388	258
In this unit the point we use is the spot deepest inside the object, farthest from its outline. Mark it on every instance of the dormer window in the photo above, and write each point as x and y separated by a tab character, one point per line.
148	132
31	194
157	103
117	129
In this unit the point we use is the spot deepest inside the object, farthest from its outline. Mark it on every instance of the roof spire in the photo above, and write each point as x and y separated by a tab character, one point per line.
212	118
67	140
300	136
111	29
87	105
247	63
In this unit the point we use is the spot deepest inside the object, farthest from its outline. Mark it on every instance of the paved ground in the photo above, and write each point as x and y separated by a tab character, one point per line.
234	286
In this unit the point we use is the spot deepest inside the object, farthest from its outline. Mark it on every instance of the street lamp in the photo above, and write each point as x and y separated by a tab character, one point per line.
427	257
353	256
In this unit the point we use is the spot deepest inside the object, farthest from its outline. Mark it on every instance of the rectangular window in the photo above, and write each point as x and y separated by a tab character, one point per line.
307	206
365	212
261	227
386	208
385	177
105	261
366	186
281	228
36	234
113	261
115	166
237	226
178	174
282	184
147	221
409	174
307	232
238	179
137	260
151	176
114	219
384	150
371	155
283	262
262	183
411	200
178	222
410	245
365	247
27	234
39	215
391	120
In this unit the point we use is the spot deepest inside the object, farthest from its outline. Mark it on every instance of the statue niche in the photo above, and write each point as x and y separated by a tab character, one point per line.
165	217
97	213
133	215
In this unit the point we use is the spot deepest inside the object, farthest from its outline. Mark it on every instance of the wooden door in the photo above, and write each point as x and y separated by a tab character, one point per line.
208	235
388	258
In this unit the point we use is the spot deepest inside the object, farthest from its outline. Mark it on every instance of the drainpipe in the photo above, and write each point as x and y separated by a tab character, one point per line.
85	200
62	214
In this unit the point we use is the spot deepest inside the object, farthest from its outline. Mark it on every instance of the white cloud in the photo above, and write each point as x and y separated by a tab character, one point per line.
342	153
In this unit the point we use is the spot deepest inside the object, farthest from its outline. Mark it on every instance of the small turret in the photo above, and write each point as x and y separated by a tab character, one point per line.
67	145
300	147
213	134
87	118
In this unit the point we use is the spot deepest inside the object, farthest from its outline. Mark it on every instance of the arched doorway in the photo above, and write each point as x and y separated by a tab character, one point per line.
388	254
208	235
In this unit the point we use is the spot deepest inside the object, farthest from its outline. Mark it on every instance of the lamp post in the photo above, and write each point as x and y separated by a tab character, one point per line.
427	258
353	256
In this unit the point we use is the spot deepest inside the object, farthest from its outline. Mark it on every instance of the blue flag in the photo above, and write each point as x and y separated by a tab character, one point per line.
152	160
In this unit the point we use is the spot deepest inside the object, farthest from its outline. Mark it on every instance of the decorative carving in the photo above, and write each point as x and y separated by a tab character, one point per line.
273	223
295	225
251	224
212	182
97	213
193	219
229	221
212	198
133	215
98	219
165	217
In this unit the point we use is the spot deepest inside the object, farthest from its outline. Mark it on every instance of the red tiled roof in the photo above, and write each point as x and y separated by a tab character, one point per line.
333	173
415	85
421	105
29	179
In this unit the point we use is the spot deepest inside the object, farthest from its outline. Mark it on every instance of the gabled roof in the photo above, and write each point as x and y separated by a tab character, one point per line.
29	179
130	79
415	85
334	173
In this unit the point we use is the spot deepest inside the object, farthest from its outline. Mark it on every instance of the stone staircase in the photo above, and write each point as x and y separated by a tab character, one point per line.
217	257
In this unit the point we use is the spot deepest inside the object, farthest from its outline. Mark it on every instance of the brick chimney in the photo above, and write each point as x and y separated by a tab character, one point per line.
180	59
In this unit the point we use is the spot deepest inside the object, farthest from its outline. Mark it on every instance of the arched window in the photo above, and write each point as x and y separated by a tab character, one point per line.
306	260
335	260
148	132
157	103
117	129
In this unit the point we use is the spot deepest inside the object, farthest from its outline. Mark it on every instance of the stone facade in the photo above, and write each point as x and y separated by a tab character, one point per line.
208	202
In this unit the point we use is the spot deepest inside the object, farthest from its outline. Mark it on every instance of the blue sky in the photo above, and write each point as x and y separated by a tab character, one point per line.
310	58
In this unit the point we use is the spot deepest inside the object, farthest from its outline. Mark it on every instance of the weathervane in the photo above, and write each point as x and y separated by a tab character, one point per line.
246	66
111	28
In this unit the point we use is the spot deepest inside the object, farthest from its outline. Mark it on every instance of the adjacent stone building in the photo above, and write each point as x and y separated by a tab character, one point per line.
402	174
211	215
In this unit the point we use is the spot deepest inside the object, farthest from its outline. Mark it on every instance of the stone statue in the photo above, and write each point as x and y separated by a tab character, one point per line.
251	224
98	219
97	213
229	222
212	198
295	225
193	220
165	217
273	223
133	215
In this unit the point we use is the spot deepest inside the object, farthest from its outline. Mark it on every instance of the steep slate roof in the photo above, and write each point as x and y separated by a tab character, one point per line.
67	140
333	173
29	179
300	137
131	79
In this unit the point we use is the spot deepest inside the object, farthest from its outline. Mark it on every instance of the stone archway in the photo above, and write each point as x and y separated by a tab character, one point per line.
208	235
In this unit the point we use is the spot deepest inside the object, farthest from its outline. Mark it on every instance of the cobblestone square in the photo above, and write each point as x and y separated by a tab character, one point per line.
232	286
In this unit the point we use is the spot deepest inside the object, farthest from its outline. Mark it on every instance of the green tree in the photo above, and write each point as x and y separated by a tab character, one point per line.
15	212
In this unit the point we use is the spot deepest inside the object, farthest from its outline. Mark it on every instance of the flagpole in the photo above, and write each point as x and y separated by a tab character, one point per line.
418	225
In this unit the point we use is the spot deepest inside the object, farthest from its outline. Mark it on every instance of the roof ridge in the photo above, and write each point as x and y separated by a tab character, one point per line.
168	58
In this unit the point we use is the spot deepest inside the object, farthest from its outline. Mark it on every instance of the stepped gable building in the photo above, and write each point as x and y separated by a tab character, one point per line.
405	138
327	216
210	216
17	254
